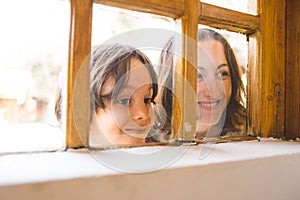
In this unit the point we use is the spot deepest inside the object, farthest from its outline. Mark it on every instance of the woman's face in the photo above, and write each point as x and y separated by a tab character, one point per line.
126	119
213	84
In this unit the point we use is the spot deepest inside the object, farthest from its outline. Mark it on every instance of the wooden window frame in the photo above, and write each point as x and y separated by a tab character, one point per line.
266	77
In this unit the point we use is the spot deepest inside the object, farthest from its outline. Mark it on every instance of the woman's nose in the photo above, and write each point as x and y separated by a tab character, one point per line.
212	88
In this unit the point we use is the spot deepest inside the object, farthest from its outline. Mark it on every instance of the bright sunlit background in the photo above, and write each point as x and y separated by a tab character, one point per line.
34	45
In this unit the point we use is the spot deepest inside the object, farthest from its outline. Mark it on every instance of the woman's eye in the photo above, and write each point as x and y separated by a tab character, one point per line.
148	100
124	101
223	74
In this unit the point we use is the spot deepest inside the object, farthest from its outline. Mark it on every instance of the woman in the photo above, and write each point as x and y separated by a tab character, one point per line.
219	87
220	110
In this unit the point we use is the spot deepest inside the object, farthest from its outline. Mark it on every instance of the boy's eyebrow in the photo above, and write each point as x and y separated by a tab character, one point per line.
201	68
133	88
108	95
128	87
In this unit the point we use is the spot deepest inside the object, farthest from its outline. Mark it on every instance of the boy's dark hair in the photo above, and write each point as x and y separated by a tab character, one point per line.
110	60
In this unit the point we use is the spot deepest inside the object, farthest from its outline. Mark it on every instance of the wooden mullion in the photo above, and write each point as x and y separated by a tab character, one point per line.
254	89
254	85
185	89
78	71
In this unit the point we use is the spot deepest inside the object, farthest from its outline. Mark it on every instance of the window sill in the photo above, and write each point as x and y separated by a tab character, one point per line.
266	169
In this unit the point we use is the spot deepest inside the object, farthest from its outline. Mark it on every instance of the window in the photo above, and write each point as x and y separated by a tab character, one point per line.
266	87
258	32
208	15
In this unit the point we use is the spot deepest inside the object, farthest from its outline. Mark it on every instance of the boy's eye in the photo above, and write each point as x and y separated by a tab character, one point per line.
200	77
124	101
148	100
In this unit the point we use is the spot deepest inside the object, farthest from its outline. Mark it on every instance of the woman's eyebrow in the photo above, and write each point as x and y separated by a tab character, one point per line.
219	66
150	88
222	65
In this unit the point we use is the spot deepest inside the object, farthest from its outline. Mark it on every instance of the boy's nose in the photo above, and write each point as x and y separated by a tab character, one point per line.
139	112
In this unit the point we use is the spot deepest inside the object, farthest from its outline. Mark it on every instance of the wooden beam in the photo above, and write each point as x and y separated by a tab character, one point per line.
173	9
77	118
230	20
292	116
210	15
267	82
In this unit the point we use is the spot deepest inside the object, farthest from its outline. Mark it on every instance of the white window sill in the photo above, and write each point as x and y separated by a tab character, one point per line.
269	169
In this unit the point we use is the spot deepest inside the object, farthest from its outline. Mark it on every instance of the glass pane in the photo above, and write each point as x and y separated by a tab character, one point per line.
237	5
33	51
145	32
109	22
220	77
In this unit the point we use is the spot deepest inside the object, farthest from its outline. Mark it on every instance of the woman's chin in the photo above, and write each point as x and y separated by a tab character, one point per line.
207	130
207	124
209	120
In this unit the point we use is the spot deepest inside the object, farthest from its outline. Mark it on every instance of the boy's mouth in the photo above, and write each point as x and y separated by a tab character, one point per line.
136	131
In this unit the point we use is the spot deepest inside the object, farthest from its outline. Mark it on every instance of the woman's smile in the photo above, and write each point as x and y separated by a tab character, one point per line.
209	105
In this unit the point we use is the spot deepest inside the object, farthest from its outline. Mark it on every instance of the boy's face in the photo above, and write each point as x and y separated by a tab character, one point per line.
126	119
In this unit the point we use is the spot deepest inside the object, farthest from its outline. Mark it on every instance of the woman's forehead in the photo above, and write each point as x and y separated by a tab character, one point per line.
210	53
